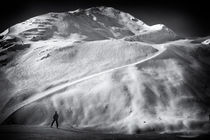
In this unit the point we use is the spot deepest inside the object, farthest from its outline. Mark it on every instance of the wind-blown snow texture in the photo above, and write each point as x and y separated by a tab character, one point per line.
103	69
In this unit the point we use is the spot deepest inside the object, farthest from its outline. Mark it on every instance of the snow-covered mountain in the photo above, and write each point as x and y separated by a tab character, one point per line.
97	23
103	69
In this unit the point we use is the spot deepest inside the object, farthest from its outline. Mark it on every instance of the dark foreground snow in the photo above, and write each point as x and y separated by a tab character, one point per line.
26	132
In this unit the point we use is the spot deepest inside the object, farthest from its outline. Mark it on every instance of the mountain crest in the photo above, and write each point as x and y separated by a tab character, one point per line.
96	23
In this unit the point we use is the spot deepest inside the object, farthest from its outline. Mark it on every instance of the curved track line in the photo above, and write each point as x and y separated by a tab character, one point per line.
56	89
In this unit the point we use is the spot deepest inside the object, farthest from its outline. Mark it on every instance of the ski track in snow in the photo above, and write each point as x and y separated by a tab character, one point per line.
5	115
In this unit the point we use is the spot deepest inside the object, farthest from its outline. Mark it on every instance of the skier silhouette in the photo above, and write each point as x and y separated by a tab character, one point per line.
209	117
55	119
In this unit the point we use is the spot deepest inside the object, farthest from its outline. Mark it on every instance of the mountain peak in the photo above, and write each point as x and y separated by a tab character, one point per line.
98	9
95	23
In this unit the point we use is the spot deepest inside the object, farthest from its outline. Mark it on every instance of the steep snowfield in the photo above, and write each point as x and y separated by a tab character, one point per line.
103	70
47	64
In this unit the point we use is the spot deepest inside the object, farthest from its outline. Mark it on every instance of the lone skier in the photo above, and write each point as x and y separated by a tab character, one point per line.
55	119
209	117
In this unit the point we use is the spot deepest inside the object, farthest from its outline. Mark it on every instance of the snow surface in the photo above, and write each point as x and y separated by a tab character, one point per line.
206	42
27	132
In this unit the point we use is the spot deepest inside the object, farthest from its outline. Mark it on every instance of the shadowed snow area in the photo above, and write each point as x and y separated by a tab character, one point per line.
103	70
23	132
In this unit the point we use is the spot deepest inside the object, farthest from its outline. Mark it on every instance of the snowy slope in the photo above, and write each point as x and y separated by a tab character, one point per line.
157	34
47	64
161	94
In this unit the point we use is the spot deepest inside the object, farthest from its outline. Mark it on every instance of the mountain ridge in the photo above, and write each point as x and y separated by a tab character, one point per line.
96	23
